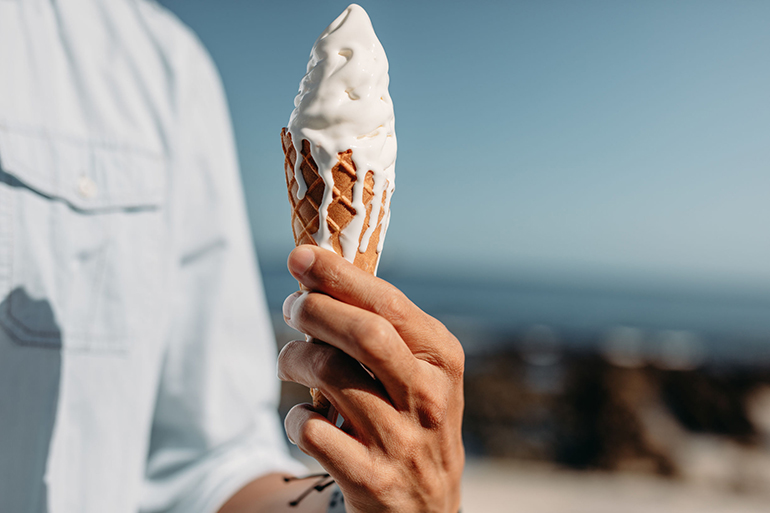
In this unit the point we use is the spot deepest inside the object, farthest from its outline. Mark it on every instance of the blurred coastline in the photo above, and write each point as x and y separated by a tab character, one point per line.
643	320
572	383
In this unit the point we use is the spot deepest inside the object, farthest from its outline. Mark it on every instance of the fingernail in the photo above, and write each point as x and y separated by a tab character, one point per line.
288	304
300	260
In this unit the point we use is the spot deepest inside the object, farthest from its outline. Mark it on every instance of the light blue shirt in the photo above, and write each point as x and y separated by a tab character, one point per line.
137	360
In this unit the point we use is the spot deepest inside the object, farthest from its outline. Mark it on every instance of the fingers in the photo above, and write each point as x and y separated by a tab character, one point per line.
335	450
322	270
400	447
352	391
365	336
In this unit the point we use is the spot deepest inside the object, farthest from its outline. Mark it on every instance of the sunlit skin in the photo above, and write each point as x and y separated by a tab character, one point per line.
399	448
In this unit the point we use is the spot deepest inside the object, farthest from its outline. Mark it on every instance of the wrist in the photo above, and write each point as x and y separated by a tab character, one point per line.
336	501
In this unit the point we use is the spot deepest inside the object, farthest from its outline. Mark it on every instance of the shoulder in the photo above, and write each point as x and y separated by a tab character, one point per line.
184	53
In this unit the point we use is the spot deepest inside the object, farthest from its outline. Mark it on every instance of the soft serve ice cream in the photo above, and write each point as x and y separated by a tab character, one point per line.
343	104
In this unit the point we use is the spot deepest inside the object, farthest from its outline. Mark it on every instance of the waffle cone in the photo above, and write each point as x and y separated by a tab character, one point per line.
305	217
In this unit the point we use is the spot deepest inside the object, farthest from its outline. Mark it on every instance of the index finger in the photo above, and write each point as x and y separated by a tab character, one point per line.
324	271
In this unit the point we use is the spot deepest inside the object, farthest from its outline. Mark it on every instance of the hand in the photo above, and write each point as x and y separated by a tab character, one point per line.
399	448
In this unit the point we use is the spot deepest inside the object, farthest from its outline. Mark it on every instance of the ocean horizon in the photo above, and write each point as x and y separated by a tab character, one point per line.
728	324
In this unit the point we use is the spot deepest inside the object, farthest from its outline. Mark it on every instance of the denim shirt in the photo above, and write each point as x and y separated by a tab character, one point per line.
137	360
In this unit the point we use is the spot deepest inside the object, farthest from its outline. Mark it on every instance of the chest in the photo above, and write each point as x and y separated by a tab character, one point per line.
84	129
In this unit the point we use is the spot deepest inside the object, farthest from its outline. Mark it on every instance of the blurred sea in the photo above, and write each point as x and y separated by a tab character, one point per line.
720	324
582	394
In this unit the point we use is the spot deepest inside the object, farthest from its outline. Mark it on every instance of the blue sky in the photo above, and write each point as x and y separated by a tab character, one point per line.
603	138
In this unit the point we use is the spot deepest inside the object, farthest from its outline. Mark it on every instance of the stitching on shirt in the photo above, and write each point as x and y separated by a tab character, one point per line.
19	330
86	211
95	288
48	133
144	199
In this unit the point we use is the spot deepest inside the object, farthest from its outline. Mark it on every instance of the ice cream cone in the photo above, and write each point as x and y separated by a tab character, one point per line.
304	211
340	146
305	216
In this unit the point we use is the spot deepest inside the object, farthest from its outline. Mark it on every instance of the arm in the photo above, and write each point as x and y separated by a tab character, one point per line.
272	494
215	427
399	448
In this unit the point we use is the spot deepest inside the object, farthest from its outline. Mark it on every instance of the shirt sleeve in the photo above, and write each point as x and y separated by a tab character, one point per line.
215	425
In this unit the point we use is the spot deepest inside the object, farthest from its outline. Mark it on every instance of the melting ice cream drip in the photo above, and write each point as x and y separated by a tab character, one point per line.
343	104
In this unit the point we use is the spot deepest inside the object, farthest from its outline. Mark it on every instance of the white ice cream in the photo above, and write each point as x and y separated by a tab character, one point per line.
343	103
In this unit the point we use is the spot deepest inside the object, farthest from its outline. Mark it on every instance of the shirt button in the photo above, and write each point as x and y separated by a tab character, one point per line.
87	187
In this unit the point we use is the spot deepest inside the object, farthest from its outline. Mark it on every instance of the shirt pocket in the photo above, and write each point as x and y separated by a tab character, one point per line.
81	241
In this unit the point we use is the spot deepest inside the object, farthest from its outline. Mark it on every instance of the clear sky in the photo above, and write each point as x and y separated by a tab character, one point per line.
597	137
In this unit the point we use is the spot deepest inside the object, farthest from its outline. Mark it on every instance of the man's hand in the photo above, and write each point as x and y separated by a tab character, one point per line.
399	448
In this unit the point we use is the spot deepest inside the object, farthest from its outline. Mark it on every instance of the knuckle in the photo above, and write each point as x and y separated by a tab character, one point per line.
373	331
452	357
432	408
455	360
324	366
330	365
393	305
324	272
332	278
374	336
438	326
328	273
